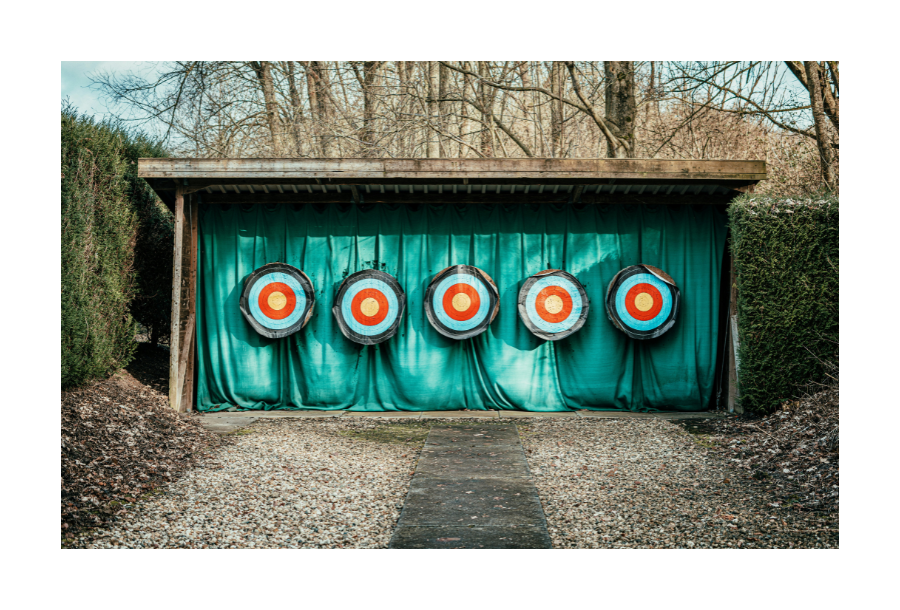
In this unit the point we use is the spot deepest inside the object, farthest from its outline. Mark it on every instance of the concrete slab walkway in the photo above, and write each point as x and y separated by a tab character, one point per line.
472	490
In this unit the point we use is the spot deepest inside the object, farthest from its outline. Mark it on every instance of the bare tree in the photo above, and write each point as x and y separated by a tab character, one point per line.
321	103
759	90
785	112
620	107
818	112
263	70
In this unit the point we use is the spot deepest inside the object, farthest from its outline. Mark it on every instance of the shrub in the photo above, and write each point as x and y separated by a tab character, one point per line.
786	264
108	215
97	242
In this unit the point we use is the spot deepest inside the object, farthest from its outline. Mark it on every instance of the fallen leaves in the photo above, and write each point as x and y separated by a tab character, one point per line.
797	445
119	441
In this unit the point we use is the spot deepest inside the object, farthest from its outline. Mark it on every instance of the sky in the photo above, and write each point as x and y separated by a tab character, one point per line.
75	82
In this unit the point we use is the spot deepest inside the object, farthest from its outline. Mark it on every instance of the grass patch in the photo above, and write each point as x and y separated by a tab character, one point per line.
394	434
700	432
704	441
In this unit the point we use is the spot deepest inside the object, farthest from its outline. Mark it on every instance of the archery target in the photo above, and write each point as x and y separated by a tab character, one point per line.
277	300
553	304
369	306
642	301
461	301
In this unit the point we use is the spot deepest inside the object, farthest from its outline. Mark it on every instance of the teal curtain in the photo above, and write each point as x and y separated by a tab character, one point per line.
505	367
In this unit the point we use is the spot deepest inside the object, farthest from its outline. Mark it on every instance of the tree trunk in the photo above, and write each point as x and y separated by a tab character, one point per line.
296	107
432	145
620	107
486	102
370	73
464	113
323	108
443	107
830	102
815	97
557	127
313	110
527	104
403	77
263	71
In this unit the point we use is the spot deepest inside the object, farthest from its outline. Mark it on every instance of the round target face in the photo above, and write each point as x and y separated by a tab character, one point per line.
642	301
553	304
369	306
461	301
277	300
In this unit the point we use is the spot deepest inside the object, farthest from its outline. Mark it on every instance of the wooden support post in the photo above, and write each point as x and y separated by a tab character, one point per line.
175	334
731	345
187	394
183	363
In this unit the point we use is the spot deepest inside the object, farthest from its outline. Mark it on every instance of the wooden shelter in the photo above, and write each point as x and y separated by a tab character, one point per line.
183	184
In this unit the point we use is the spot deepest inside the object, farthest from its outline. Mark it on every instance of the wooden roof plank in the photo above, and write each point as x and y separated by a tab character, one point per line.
453	169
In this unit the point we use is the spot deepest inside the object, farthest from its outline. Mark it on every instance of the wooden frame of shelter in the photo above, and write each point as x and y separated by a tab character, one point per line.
183	184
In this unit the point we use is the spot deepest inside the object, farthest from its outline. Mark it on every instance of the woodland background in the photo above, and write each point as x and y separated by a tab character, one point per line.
786	113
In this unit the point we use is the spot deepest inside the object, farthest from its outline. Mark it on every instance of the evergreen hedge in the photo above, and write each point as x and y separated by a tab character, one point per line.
102	202
786	266
152	303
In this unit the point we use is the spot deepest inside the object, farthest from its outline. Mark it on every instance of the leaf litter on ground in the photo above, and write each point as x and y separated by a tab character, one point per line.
120	441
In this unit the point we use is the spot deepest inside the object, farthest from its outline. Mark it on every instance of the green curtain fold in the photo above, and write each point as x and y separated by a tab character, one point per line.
505	367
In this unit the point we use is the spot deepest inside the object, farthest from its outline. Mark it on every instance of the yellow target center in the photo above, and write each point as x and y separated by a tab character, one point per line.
461	301
553	304
643	302
369	307
277	300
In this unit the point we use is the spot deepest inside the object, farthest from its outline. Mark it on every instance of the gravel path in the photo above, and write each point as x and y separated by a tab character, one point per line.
650	484
282	484
341	483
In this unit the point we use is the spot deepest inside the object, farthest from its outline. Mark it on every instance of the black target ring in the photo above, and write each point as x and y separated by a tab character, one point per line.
461	301
553	304
369	306
643	301
277	300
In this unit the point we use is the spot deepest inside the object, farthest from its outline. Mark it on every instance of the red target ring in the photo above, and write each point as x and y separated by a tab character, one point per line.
277	300
464	296
287	300
367	313
553	304
636	299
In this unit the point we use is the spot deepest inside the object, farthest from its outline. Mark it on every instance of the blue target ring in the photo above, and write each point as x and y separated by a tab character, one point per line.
531	304
483	308
643	301
299	308
461	301
347	300
369	306
628	284
553	304
277	300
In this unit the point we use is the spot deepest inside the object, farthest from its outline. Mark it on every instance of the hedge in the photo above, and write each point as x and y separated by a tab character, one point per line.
152	303
102	201
786	266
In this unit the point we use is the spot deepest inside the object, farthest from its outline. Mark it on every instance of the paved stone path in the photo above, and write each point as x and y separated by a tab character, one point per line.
472	490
